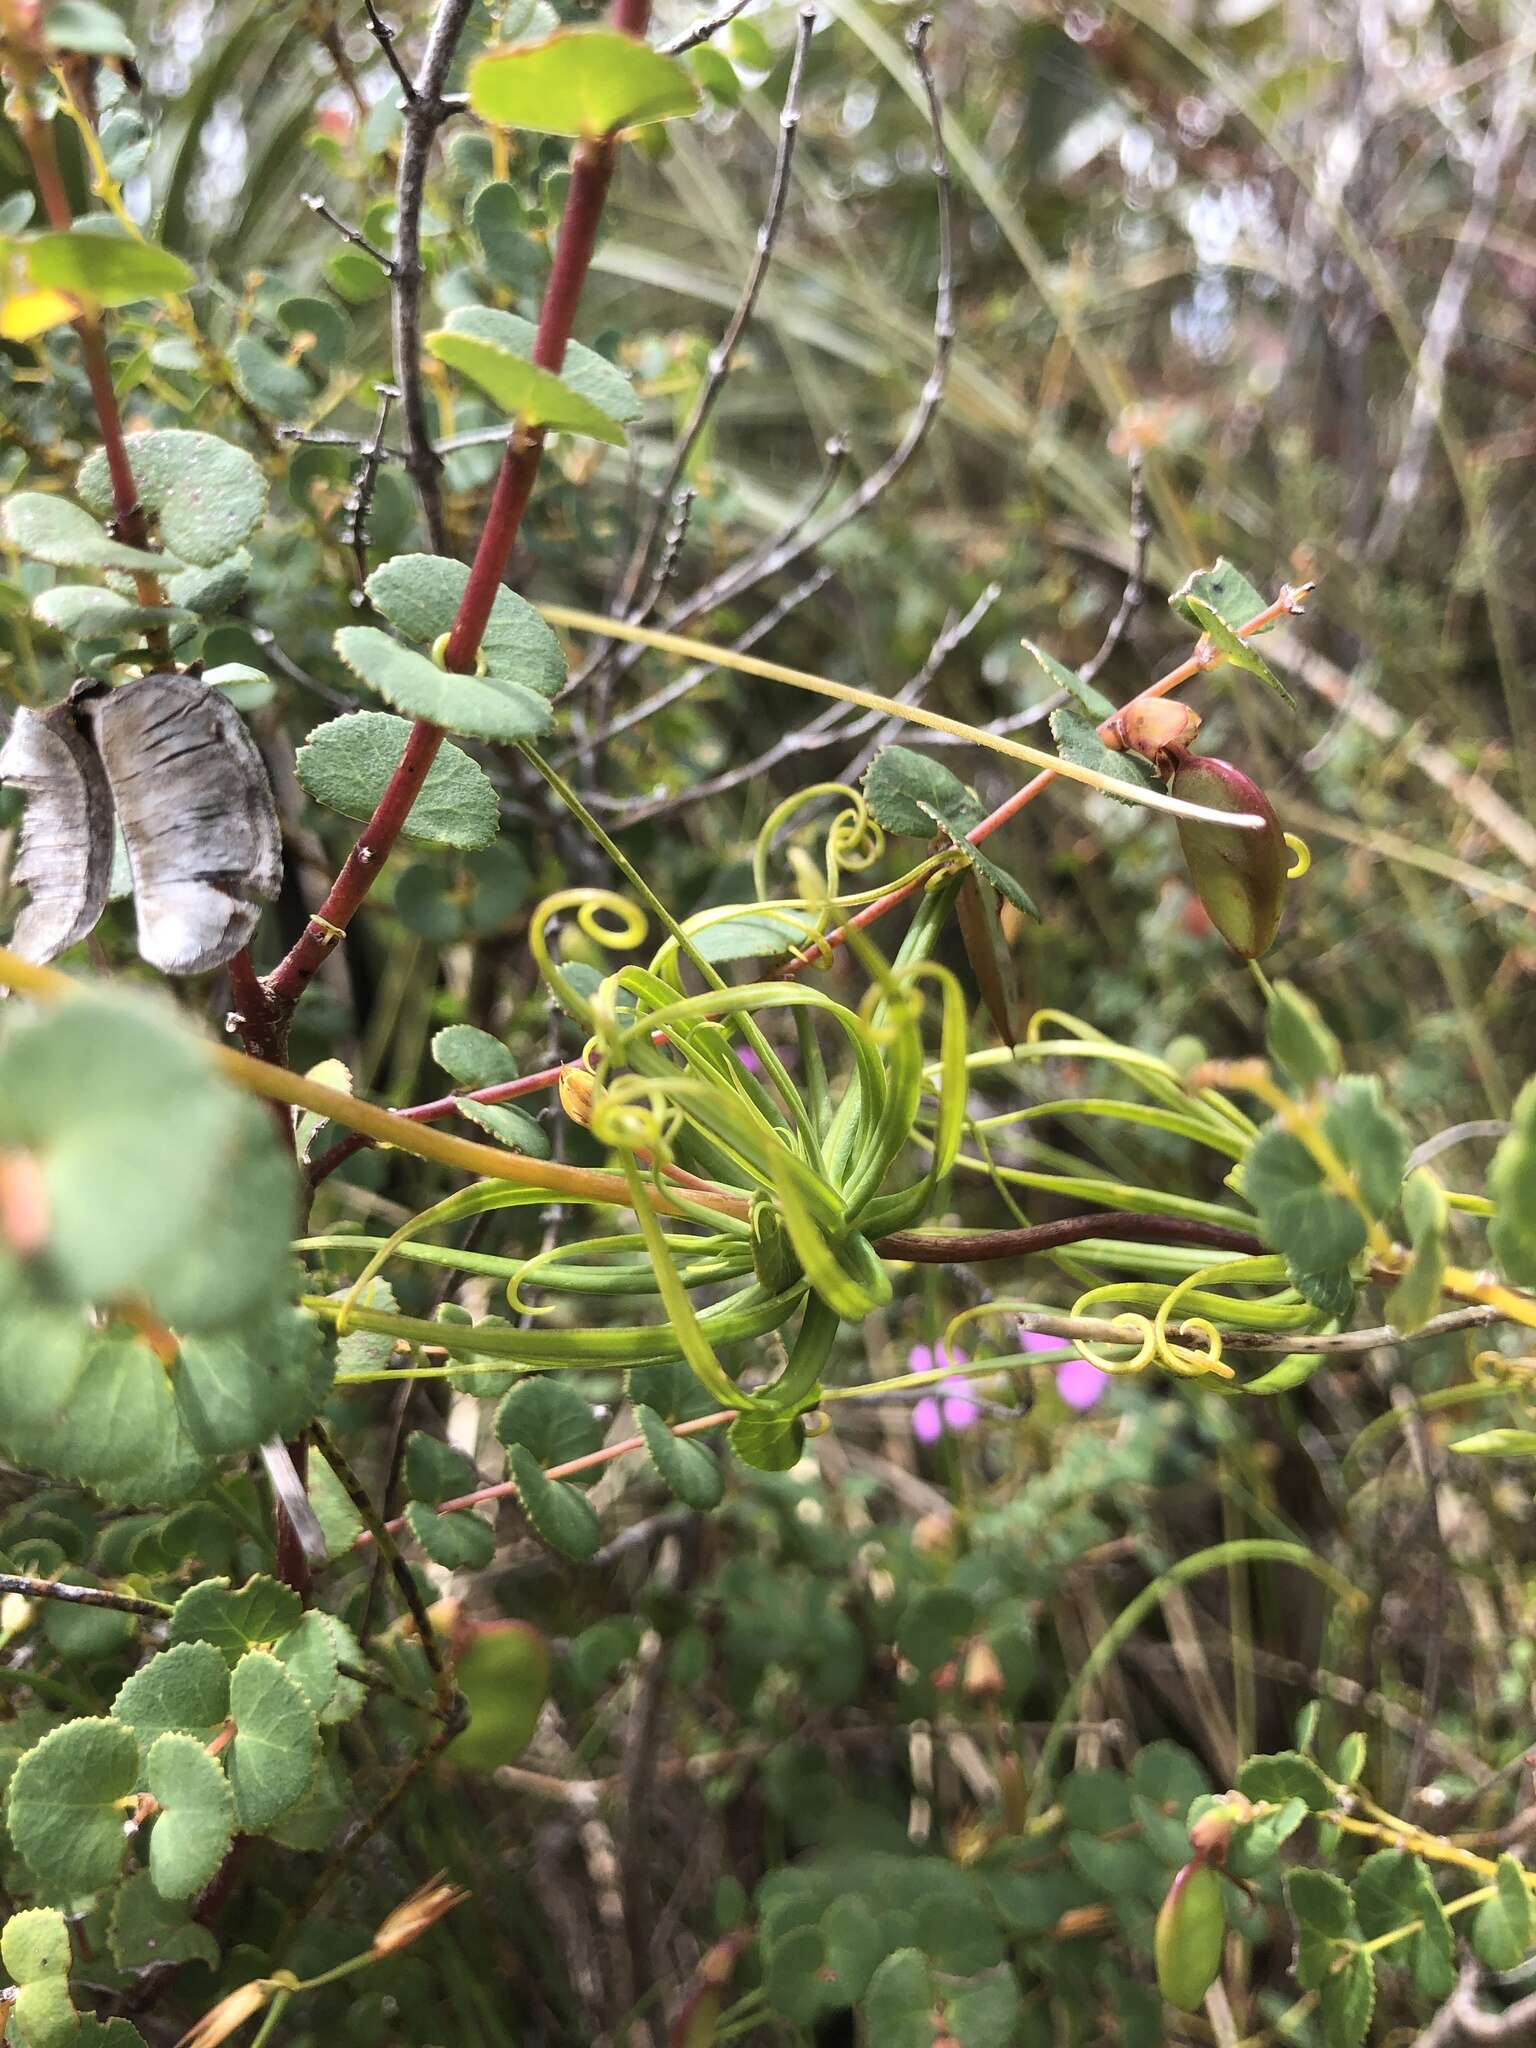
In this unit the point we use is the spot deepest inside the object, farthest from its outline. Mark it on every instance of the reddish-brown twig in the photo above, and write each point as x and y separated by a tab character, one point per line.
591	170
1205	656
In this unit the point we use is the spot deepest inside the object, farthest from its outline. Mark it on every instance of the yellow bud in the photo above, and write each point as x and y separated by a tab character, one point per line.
578	1092
413	1916
232	2012
982	1677
15	1613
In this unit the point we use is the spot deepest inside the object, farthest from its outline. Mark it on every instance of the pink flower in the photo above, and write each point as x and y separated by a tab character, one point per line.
749	1059
951	1405
1078	1382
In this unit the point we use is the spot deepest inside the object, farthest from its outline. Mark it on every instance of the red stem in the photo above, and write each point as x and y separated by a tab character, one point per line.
591	170
288	981
433	1112
1285	603
128	517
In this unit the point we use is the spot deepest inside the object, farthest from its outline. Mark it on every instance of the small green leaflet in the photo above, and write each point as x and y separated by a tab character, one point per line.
347	764
1078	742
56	530
106	269
1216	602
420	596
580	81
1091	702
480	707
912	794
686	1469
525	393
587	373
206	495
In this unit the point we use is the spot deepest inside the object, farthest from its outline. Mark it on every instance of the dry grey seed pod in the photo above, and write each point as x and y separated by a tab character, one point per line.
64	857
196	810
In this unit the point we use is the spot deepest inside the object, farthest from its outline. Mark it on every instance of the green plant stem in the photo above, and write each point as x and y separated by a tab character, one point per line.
1246	1550
270	2019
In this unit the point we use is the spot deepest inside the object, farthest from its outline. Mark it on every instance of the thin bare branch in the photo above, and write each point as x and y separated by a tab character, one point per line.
424	114
384	36
359	504
1136	583
680	686
723	354
327	213
1505	129
706	26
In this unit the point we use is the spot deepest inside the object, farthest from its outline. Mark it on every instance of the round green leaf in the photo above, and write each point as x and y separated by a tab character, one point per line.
548	1419
308	1654
146	1928
272	384
560	1513
58	531
477	895
84	611
67	1803
483	707
196	1819
510	1126
504	1677
43	2015
106	269
86	1632
206	495
525	393
83	25
323	319
435	1471
583	81
235	1621
457	1542
715	72
184	1690
106	1417
35	1945
209	592
164	1183
1287	1775
420	596
236	1391
687	1469
583	369
898	2006
473	1058
276	1740
347	764
768	1443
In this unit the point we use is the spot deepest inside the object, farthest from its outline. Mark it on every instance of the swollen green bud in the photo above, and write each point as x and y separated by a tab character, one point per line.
1238	876
1191	1924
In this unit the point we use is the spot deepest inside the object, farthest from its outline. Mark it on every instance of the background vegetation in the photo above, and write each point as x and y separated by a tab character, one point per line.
897	1743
